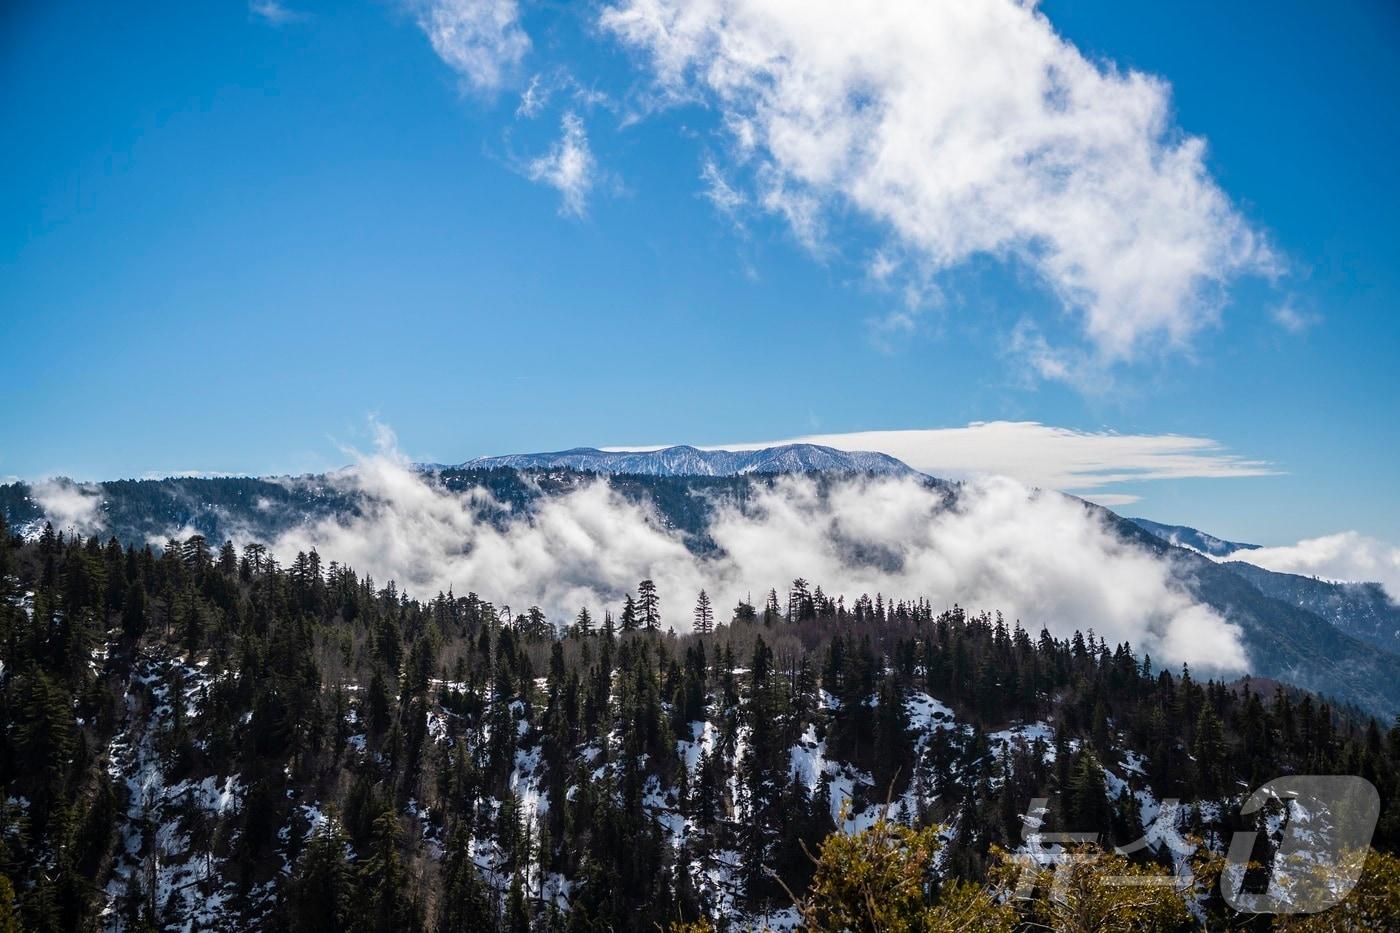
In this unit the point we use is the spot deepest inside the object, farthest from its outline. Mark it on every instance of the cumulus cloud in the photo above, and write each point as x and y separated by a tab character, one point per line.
69	505
481	40
1040	557
1347	556
964	128
568	167
1042	455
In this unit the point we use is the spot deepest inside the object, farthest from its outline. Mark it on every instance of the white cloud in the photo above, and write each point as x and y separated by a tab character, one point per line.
1041	455
69	505
533	98
481	40
718	191
889	330
555	83
965	128
274	12
1291	319
1039	557
1112	499
1346	556
568	167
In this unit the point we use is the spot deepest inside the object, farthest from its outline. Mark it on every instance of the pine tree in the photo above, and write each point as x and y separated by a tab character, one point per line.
464	905
649	605
322	888
517	911
45	733
377	702
704	614
1210	752
891	739
1085	801
385	905
771	612
744	612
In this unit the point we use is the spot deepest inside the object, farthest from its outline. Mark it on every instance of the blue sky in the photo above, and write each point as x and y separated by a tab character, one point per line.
230	233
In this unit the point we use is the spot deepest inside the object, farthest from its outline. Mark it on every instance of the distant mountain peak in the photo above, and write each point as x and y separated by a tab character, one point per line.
1196	540
685	460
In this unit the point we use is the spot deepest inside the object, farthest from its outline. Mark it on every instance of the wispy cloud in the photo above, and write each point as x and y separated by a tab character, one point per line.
966	128
534	98
1042	455
481	40
568	167
559	83
890	331
275	12
1290	319
727	199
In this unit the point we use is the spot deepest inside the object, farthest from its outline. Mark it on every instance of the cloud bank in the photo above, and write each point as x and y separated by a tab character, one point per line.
1039	557
69	505
1347	556
1042	455
964	128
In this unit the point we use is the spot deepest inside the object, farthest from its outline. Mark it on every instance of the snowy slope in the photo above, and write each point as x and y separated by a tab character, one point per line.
1196	540
692	461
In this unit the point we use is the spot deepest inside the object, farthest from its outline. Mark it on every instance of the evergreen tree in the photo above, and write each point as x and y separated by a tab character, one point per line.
649	605
628	619
464	904
704	615
385	906
1210	753
322	888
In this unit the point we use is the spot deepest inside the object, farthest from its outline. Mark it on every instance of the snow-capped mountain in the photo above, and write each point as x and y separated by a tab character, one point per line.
684	460
1196	540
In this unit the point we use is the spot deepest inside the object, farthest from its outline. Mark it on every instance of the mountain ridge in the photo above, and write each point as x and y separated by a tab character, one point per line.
1193	538
685	460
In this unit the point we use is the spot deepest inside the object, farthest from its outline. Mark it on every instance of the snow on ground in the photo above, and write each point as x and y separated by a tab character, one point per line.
162	821
525	783
660	803
702	740
437	726
927	714
808	761
1025	733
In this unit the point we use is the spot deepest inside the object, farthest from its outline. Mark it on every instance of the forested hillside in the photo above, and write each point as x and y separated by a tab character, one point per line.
199	738
1327	639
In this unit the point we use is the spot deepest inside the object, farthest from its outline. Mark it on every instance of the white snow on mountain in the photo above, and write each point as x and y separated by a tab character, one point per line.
691	461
